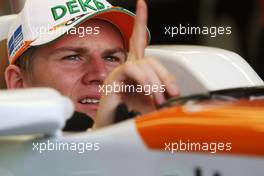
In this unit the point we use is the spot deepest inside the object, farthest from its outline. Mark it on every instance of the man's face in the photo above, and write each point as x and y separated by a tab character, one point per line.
76	66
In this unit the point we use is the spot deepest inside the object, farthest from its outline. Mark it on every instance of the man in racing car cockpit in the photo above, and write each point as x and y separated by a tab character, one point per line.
78	65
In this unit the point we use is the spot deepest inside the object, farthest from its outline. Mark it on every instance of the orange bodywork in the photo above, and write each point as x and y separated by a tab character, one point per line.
240	123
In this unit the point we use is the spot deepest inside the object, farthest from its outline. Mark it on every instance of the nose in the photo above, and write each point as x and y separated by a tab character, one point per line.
95	72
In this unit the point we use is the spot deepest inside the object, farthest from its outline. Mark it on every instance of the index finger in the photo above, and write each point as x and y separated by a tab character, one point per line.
138	40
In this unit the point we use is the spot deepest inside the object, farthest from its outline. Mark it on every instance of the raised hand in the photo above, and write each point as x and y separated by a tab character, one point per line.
138	70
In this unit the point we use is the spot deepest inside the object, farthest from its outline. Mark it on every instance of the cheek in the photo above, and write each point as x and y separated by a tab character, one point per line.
60	79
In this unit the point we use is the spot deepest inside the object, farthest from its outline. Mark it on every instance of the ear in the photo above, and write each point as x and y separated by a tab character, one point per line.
15	78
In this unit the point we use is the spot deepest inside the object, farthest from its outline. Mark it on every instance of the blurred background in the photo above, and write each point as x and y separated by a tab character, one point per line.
245	17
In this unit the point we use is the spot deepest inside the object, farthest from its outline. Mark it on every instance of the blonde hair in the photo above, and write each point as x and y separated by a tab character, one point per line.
24	62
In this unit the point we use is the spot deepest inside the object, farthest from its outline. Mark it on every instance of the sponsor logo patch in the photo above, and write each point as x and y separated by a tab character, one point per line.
15	42
76	6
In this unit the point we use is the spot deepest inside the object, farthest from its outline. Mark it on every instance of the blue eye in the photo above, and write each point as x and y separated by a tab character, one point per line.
112	59
72	58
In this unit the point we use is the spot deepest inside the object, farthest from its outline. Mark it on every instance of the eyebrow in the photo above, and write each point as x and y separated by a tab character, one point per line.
77	50
114	51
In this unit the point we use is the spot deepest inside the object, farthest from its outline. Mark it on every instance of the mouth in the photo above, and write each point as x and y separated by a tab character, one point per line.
85	101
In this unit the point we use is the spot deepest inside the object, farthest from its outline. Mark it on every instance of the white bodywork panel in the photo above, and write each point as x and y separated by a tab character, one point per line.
121	152
201	69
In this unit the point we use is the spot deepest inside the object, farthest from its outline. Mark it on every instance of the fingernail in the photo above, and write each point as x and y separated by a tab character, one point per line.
140	2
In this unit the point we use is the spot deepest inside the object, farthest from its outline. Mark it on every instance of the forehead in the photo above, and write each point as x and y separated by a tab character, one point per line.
100	23
91	31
